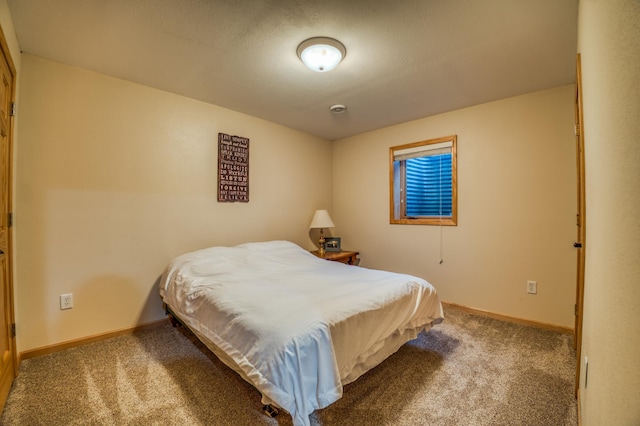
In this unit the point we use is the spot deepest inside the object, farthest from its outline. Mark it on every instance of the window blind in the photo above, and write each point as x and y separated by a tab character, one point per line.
428	184
422	151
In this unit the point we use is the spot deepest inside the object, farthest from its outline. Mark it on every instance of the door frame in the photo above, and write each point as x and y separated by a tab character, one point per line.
5	51
580	222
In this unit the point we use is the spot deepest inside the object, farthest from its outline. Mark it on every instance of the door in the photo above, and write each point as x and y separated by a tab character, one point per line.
8	364
580	222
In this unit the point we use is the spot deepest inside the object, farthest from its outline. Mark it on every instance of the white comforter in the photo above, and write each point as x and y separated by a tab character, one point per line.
297	326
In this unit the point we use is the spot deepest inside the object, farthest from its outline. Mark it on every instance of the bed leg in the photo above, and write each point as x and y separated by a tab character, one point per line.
172	318
270	410
174	322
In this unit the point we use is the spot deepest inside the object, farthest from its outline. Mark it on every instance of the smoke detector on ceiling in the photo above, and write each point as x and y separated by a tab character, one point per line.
337	109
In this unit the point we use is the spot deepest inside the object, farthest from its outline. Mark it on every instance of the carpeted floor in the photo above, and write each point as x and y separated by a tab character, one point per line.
469	370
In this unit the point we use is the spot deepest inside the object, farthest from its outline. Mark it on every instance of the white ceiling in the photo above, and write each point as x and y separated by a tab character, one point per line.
406	59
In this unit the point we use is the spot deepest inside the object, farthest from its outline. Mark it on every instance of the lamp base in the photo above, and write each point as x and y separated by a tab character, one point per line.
321	250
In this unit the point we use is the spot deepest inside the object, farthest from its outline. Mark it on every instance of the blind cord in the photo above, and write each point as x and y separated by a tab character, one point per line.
441	230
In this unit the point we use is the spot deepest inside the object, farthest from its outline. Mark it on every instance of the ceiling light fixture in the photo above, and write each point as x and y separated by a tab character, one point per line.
338	109
321	54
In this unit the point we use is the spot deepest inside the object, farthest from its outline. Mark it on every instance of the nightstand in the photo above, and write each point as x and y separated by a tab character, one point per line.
348	257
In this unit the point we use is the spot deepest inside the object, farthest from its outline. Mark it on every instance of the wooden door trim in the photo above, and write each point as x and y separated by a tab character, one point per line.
581	221
4	48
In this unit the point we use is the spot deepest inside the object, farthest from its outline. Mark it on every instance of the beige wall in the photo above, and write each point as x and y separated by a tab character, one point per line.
516	198
9	32
609	44
114	179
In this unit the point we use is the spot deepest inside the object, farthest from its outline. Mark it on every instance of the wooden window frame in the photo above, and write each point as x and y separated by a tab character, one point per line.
397	183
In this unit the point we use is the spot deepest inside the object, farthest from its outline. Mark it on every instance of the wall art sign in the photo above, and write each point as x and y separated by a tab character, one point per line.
233	169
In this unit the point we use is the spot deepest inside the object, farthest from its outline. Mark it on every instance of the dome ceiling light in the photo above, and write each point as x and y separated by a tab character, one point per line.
321	54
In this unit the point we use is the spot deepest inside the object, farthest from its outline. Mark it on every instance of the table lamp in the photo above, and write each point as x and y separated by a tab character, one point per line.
321	219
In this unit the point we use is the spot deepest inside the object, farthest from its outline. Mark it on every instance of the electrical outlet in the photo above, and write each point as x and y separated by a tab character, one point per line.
532	287
66	301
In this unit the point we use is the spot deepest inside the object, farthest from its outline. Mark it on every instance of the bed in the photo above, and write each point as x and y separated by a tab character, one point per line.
297	327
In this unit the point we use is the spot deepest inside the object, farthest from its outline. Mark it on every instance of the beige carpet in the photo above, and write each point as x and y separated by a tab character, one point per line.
469	370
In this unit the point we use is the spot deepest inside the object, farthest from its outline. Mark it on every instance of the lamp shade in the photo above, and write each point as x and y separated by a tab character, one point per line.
321	219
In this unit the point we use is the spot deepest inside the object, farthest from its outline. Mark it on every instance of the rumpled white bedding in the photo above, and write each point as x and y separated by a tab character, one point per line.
298	327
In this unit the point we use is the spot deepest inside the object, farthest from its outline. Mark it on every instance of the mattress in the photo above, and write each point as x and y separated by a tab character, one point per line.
295	326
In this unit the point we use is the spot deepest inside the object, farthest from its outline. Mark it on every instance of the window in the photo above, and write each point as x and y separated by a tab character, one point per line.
423	182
